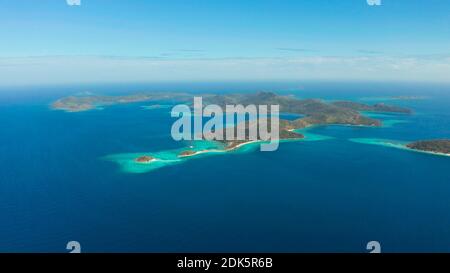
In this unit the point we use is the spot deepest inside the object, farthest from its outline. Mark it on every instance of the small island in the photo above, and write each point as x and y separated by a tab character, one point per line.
187	153
145	159
438	146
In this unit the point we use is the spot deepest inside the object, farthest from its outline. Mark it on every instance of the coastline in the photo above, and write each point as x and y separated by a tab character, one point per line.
237	147
427	152
394	144
219	151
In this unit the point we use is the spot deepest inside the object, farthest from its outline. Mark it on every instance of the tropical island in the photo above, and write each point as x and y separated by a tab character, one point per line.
315	111
312	112
285	133
145	159
438	146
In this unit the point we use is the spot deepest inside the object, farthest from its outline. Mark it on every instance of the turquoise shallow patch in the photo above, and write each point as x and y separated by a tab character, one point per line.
381	142
128	164
156	106
388	119
127	161
311	136
391	122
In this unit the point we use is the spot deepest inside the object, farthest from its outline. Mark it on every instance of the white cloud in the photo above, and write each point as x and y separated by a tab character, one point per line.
91	69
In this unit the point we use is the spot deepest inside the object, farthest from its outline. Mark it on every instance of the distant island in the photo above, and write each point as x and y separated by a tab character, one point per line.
315	111
379	107
401	97
439	146
90	102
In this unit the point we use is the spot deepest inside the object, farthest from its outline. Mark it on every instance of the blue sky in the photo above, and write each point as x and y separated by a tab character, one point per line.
48	41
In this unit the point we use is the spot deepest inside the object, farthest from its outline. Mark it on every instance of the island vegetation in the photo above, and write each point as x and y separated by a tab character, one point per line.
144	159
440	146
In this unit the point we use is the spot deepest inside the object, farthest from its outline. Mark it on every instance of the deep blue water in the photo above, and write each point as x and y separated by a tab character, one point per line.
332	195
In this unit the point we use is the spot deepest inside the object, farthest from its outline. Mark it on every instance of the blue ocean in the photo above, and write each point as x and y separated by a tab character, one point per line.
332	195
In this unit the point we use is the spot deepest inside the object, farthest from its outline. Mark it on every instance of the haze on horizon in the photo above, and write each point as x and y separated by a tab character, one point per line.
116	41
